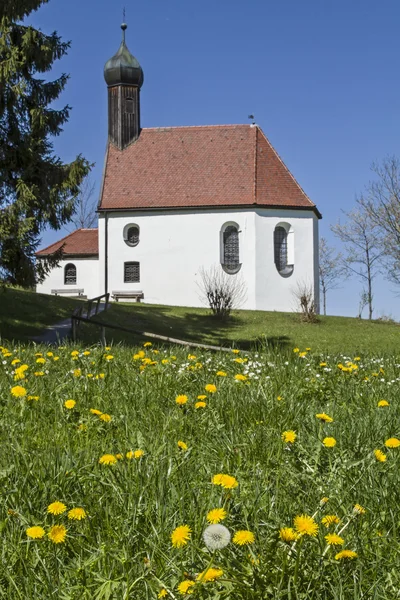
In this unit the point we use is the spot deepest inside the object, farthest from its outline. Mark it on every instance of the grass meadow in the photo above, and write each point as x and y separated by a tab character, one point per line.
112	459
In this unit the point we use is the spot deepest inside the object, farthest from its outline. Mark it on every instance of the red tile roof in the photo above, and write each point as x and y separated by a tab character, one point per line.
209	166
83	242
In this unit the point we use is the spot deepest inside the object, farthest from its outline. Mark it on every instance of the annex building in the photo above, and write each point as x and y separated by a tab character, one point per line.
178	200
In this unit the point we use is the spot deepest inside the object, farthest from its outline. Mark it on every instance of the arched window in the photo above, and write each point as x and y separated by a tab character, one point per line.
230	248
129	106
70	274
283	249
131	234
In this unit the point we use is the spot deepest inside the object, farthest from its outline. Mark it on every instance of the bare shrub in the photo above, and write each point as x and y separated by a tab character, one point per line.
220	291
305	303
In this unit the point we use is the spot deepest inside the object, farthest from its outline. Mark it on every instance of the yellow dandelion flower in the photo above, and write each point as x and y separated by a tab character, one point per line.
240	377
119	456
383	403
243	537
40	361
211	388
15	361
201	397
200	404
69	404
289	436
279	398
324	417
210	574
147	345
296	350
77	372
392	443
36	533
105	417
360	510
185	587
107	459
324	500
138	454
221	374
95	411
346	554
216	515
77	514
109	357
305	525
329	442
86	353
226	481
162	593
329	520
56	508
35	398
288	534
235	351
182	445
181	399
74	353
129	455
57	534
164	361
322	364
39	374
18	391
332	539
380	456
180	536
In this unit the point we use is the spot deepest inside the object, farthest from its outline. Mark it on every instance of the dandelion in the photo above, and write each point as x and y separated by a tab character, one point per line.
185	587
324	417
329	520
77	372
40	361
69	404
334	540
107	459
77	514
39	374
180	536
105	417
279	398
200	404
162	593
329	442
358	509
182	445
56	508
57	534
324	500
226	481
211	388
210	574
138	454
35	398
129	455
216	515
295	350
346	554
383	403
392	443
109	357
216	537
181	399
147	345
289	436
36	533
305	525
221	374
95	411
74	353
380	456
243	538
18	391
288	534
119	456
240	377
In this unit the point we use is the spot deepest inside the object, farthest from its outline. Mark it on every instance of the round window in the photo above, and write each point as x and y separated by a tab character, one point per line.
131	235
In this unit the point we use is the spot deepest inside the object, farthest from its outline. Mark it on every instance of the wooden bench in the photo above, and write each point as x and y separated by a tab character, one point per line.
74	291
126	294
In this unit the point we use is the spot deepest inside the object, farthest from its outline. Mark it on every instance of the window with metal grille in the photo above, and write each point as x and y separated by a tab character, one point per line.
132	236
131	272
230	240
70	274
280	248
129	106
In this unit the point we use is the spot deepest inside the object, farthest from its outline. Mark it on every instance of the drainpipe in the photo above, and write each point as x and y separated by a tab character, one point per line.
106	257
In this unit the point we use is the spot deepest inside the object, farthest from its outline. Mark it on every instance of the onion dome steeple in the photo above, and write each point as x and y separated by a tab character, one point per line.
124	78
123	67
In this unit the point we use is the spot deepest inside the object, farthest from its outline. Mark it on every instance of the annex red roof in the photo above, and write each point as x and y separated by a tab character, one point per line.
83	242
208	166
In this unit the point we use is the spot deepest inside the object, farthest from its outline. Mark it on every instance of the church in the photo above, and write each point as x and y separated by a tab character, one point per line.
179	201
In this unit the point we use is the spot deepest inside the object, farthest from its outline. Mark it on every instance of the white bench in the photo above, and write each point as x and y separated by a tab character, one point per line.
74	291
126	294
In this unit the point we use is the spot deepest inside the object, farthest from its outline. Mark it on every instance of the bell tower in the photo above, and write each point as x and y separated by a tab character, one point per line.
124	78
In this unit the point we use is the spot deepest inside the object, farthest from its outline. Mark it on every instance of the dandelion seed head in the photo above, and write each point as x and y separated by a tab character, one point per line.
216	537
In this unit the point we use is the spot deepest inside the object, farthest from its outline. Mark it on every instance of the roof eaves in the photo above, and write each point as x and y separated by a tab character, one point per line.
54	243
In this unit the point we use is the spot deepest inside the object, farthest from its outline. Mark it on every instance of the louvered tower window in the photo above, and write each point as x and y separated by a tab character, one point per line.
129	106
70	274
230	249
280	248
131	272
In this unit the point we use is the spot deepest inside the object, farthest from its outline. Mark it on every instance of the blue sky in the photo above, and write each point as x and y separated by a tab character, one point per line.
320	76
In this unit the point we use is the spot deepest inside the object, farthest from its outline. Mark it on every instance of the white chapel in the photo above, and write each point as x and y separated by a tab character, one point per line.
178	200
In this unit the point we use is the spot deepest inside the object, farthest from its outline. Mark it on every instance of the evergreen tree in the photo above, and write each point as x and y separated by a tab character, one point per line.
37	189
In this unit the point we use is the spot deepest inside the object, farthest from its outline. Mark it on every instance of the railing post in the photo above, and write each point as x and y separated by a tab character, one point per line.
103	336
73	329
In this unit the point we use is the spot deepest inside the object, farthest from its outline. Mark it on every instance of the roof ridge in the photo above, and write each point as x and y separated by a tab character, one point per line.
286	168
195	126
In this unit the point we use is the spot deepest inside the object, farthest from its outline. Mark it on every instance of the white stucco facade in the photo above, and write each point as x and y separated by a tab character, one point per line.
87	278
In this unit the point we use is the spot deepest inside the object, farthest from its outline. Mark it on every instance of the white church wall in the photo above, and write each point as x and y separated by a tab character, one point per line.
87	277
173	247
274	291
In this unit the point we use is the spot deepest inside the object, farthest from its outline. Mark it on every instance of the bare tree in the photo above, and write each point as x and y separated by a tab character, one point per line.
85	215
382	203
331	269
363	246
222	292
305	303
